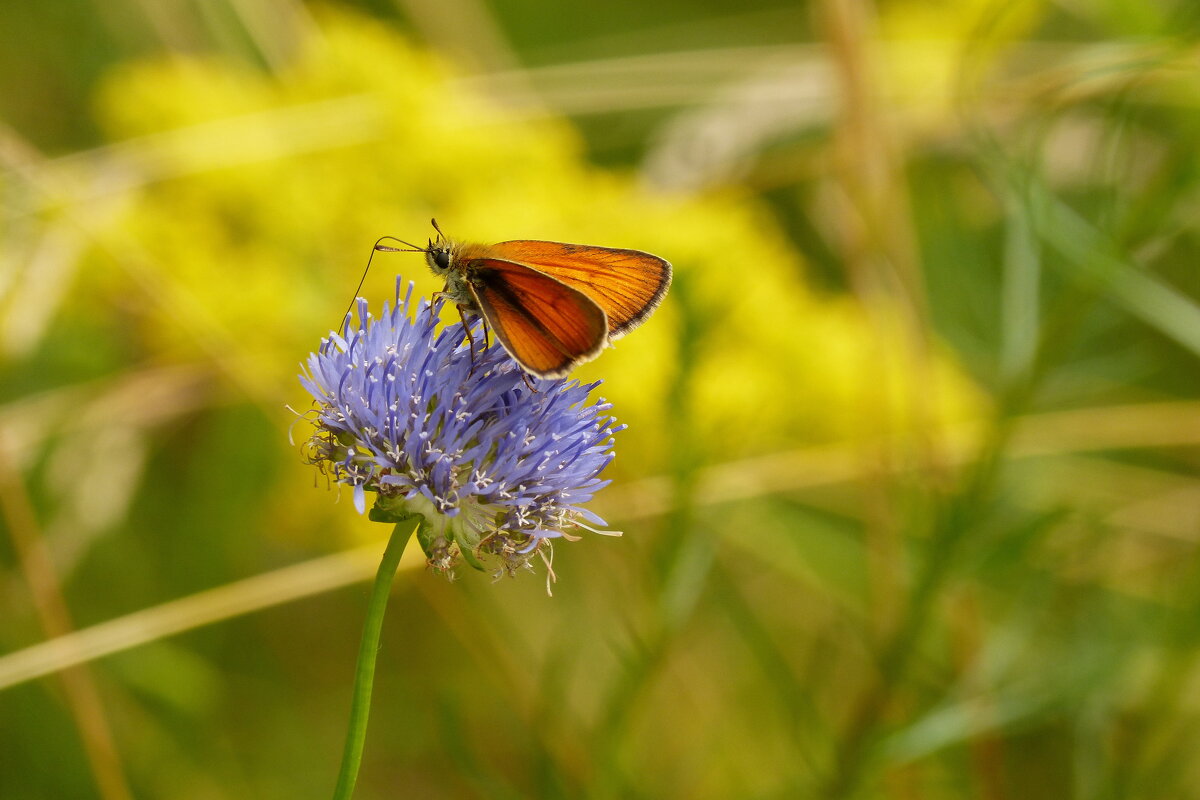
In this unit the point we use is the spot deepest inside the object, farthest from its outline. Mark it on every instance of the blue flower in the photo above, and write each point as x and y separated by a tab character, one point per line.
493	467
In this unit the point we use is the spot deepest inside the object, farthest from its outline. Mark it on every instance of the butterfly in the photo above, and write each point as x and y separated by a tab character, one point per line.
551	305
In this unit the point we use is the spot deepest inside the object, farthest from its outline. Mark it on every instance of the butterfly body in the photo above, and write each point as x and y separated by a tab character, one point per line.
552	305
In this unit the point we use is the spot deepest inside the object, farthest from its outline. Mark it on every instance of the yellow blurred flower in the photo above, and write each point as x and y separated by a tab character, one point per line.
259	196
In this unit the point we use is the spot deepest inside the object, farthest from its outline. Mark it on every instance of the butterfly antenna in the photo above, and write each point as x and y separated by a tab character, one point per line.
409	247
380	246
436	228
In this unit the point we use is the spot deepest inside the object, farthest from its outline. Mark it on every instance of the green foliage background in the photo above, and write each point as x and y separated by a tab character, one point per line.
909	491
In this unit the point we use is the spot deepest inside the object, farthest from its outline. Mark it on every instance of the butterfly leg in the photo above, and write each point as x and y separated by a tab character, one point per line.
433	301
462	315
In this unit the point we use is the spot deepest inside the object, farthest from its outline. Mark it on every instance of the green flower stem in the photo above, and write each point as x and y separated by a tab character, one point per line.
364	672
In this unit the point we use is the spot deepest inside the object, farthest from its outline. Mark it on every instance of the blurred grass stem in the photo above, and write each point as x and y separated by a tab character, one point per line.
364	672
877	244
1062	433
82	695
950	528
684	557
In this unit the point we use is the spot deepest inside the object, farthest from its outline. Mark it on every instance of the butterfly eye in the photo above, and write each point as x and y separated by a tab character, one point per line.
441	259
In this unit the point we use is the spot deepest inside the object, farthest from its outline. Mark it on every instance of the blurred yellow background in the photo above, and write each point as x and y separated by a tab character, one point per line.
909	489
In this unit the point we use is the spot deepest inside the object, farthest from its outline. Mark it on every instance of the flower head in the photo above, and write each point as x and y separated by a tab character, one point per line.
494	468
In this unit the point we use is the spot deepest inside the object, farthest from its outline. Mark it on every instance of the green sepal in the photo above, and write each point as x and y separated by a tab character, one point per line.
468	553
392	511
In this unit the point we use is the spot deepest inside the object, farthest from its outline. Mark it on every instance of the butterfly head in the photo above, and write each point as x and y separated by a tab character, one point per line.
438	257
439	253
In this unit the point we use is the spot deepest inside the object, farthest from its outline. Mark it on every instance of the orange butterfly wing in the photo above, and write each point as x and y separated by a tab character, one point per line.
546	326
627	284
